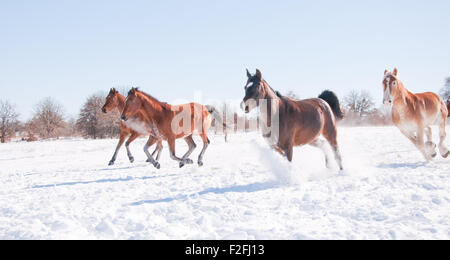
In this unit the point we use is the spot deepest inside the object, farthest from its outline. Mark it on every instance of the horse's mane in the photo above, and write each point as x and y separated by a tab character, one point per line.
148	95
274	91
151	98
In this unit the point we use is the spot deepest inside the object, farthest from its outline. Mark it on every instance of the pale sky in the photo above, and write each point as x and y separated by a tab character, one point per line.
70	49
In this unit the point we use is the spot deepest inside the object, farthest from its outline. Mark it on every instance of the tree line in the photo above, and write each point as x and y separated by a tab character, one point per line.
48	119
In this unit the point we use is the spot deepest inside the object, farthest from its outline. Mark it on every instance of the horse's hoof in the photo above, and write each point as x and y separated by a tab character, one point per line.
157	165
111	163
188	161
434	155
131	160
446	155
182	164
200	164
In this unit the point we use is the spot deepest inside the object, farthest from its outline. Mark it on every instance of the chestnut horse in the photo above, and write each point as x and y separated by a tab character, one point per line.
170	122
414	113
301	122
115	100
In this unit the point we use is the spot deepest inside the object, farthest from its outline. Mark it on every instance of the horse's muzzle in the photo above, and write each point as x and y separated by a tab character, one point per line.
123	117
104	110
245	107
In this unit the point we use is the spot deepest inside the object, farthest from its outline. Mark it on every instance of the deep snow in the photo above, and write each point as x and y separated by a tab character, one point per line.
65	190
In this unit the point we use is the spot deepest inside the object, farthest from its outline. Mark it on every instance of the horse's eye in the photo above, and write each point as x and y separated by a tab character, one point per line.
394	84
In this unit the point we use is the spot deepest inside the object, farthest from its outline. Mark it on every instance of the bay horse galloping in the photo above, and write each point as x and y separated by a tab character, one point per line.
414	113
301	122
170	122
115	100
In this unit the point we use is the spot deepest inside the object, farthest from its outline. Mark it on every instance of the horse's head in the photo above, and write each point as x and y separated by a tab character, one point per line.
254	91
111	102
132	104
390	86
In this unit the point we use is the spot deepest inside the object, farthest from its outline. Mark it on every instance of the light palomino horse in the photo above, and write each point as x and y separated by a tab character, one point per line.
301	122
115	100
414	113
170	122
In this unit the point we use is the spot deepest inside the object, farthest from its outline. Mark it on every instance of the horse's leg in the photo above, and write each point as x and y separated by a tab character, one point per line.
150	142
331	136
410	135
442	135
414	138
192	146
171	143
158	150
337	153
321	144
420	143
429	134
133	137
123	135
429	145
205	145
289	151
278	149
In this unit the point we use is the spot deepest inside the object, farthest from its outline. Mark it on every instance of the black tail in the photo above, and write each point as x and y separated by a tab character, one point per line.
333	101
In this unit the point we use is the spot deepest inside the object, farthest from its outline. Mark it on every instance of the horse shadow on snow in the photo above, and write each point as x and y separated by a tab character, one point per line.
249	188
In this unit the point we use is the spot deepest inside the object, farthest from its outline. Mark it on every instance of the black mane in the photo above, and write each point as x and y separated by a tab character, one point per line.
274	91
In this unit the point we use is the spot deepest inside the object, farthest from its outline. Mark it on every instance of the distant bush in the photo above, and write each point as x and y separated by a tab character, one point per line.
9	122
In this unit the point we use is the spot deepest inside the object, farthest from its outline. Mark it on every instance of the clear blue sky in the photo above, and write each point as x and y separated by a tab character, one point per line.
69	49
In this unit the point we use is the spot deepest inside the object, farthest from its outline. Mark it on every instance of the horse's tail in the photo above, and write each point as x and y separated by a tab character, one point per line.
216	115
333	101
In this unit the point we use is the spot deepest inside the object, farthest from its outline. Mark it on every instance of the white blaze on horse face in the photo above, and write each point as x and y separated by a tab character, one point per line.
250	84
387	99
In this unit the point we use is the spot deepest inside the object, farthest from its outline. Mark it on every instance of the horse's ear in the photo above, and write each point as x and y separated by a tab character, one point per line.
249	75
113	90
395	72
258	74
132	91
386	72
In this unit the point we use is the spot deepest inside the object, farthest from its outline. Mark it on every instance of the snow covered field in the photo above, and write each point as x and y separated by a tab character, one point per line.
65	190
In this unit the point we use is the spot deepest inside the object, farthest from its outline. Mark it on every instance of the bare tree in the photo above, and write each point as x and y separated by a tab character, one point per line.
93	123
70	129
9	122
48	119
360	103
445	91
30	127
